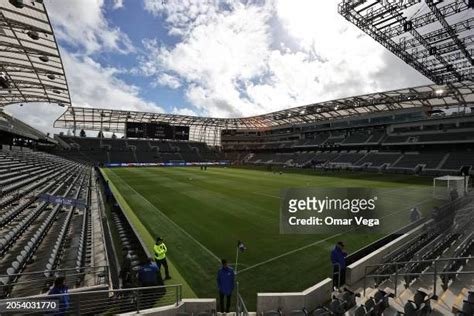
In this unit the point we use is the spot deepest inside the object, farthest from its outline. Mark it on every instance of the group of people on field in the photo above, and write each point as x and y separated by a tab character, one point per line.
150	272
149	275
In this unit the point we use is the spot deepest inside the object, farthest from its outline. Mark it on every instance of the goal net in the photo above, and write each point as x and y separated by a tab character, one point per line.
446	186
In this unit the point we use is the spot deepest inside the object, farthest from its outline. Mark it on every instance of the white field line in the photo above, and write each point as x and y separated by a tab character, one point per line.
279	198
403	209
269	195
173	223
290	252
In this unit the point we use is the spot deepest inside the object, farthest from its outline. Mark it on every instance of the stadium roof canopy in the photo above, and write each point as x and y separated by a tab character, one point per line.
208	128
31	69
436	37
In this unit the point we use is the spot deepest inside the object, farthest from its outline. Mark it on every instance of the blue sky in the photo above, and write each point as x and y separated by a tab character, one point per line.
221	58
140	25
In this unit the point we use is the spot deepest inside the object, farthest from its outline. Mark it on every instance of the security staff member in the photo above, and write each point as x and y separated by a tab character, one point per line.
225	284
160	256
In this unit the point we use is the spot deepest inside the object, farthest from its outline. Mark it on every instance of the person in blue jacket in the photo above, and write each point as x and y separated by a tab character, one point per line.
338	260
225	284
60	289
148	274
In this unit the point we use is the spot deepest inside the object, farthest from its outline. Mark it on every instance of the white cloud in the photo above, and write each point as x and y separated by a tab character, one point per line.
184	111
167	80
118	4
83	25
92	85
183	15
237	58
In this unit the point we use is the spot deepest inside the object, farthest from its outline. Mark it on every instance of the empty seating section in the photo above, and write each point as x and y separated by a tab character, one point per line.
446	137
351	158
315	148
336	138
377	159
317	139
357	138
234	156
128	243
325	156
431	137
376	137
205	152
372	144
411	160
36	236
458	159
429	163
121	156
161	146
282	158
119	150
396	139
423	276
140	145
417	258
261	158
302	158
113	144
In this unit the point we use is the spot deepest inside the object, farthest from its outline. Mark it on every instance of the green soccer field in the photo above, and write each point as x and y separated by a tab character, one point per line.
202	214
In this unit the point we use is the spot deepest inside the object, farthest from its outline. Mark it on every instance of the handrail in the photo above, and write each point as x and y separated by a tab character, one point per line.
418	261
241	309
107	301
397	273
57	270
100	202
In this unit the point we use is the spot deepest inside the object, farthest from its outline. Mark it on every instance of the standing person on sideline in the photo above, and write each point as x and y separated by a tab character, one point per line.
225	284
148	275
338	260
60	289
160	256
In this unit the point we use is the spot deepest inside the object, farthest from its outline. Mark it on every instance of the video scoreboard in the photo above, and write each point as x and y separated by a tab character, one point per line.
157	131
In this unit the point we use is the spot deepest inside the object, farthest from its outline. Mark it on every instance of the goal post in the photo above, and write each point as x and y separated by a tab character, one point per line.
443	186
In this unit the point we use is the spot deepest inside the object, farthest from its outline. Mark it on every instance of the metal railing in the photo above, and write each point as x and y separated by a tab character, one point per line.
23	284
435	273
105	302
241	309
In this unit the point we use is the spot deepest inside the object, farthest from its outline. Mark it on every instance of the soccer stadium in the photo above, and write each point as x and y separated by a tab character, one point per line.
360	203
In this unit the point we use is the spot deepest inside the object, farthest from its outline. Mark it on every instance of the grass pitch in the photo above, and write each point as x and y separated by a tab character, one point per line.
202	214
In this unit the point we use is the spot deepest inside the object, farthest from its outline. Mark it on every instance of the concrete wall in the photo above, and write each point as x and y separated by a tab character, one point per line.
356	271
310	298
194	305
